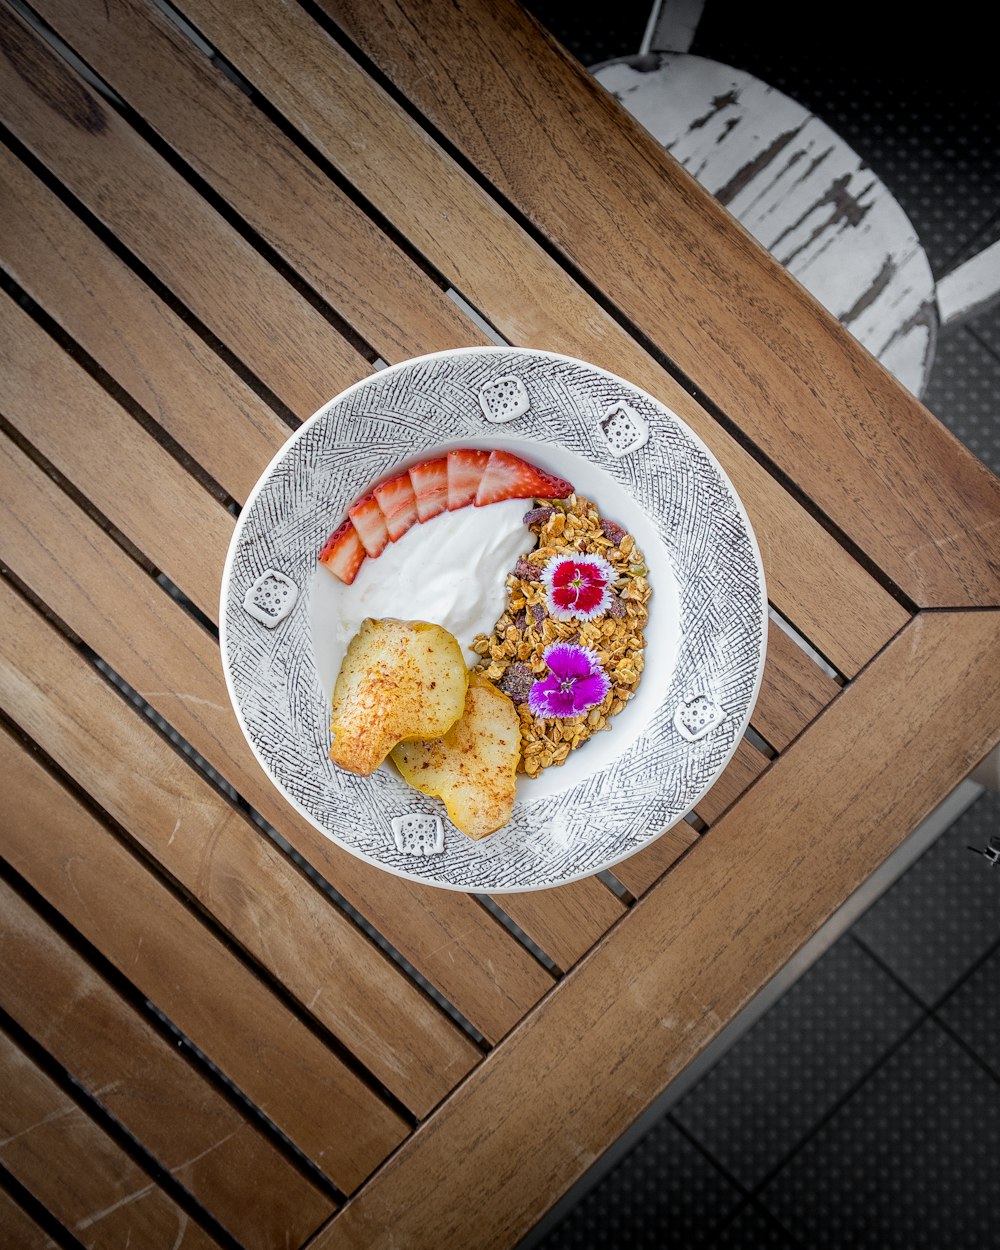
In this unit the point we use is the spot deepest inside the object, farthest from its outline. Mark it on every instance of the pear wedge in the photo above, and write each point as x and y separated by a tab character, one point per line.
473	766
398	680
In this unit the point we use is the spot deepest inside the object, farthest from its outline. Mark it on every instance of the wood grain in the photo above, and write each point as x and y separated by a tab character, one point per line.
155	213
209	994
140	1078
238	875
129	477
638	872
95	1190
525	293
795	692
133	335
797	383
83	725
19	1228
695	949
744	768
151	642
567	921
207	120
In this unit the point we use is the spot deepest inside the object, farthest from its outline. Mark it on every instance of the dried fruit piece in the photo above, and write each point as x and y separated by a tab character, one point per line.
430	486
465	472
509	477
537	516
399	680
343	552
473	766
398	503
369	521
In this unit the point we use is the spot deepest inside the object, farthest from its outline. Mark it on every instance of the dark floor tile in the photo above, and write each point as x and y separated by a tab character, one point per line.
663	1194
986	328
792	1067
973	1011
964	391
942	915
753	1229
909	1162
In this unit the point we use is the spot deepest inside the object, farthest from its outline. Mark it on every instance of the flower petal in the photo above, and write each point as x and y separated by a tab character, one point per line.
566	660
589	691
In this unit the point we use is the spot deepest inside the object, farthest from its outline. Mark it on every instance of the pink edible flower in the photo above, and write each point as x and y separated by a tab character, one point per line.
575	682
577	587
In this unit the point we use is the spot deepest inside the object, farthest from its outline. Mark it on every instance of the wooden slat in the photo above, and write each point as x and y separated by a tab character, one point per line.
682	272
129	331
109	457
147	638
567	921
638	872
526	294
169	227
309	945
210	995
795	691
140	1078
211	123
123	325
745	767
75	1170
39	383
690	954
19	1229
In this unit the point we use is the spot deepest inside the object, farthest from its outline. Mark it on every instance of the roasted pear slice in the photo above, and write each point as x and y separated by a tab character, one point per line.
398	680
473	766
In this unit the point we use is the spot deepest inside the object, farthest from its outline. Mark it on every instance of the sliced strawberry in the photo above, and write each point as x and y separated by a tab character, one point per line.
430	485
509	477
370	524
343	552
398	504
465	472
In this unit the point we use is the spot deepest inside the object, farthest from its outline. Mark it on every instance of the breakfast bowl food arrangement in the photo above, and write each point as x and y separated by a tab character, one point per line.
493	619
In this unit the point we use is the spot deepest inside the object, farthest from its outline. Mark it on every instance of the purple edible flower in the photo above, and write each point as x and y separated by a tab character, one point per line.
575	682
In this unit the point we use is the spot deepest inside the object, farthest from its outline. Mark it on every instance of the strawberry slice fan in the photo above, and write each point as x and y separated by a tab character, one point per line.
464	477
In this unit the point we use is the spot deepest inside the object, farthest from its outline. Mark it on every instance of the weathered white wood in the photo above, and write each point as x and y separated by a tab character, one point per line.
971	288
800	190
672	26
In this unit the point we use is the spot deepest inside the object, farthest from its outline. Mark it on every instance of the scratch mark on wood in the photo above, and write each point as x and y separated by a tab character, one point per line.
90	1220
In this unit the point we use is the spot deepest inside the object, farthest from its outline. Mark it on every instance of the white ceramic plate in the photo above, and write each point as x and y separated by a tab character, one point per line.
643	467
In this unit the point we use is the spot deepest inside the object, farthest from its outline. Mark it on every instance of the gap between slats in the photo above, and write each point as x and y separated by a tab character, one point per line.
193	904
111	1128
272	252
324	12
515	928
160	1024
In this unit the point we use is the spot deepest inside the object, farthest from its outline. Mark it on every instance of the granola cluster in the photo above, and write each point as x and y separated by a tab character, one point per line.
513	656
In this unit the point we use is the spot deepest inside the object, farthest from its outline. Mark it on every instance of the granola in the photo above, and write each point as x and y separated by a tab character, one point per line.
607	629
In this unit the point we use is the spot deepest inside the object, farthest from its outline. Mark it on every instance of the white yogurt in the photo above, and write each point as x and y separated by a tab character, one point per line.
449	570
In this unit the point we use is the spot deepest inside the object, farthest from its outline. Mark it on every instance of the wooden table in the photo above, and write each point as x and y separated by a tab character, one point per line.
219	1028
